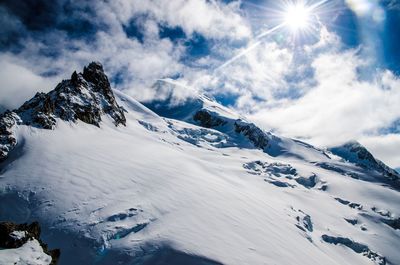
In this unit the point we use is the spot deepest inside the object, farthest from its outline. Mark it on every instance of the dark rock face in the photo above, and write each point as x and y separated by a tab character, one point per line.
253	133
207	120
31	231
393	223
361	151
351	221
86	97
309	182
356	247
7	138
94	73
38	112
6	228
256	136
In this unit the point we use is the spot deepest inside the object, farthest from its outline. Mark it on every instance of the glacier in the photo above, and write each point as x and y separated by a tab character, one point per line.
188	181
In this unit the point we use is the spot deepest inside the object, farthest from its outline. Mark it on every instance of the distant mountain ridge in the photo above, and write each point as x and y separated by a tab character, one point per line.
205	112
356	153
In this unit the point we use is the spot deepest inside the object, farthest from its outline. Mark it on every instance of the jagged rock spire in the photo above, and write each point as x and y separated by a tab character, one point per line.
86	96
94	73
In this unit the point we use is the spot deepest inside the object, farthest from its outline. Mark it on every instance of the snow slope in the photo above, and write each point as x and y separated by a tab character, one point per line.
30	253
165	190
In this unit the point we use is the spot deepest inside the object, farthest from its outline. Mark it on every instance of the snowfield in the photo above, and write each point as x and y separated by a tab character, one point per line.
30	253
164	190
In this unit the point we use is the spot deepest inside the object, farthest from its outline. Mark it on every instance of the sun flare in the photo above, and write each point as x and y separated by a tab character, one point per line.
297	17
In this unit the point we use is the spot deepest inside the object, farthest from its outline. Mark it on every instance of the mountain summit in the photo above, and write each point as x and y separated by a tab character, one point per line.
86	97
356	153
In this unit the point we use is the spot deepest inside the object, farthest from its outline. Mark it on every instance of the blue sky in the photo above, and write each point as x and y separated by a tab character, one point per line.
333	81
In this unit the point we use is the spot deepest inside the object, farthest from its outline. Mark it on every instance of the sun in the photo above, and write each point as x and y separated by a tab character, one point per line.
297	17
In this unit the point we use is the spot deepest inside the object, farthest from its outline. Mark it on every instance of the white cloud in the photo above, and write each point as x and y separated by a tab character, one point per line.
259	73
341	107
138	63
384	147
19	83
212	19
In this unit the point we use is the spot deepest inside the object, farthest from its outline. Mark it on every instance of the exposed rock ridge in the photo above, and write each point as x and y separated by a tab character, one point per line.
86	97
258	137
208	119
15	235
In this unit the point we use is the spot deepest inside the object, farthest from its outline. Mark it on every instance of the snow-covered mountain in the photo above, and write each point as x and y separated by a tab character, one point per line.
355	153
184	180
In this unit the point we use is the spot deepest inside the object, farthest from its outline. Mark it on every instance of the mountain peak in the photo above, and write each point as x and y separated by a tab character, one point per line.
94	66
356	153
86	96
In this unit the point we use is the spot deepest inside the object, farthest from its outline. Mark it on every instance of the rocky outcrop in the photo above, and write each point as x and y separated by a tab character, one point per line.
257	136
392	222
16	235
86	96
7	138
356	247
207	120
307	182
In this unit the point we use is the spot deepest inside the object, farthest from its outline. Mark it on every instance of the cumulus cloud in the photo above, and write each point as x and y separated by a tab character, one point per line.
384	147
209	18
18	83
260	73
340	107
71	34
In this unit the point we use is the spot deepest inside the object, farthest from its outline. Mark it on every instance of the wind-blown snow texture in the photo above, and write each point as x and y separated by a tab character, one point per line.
191	182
